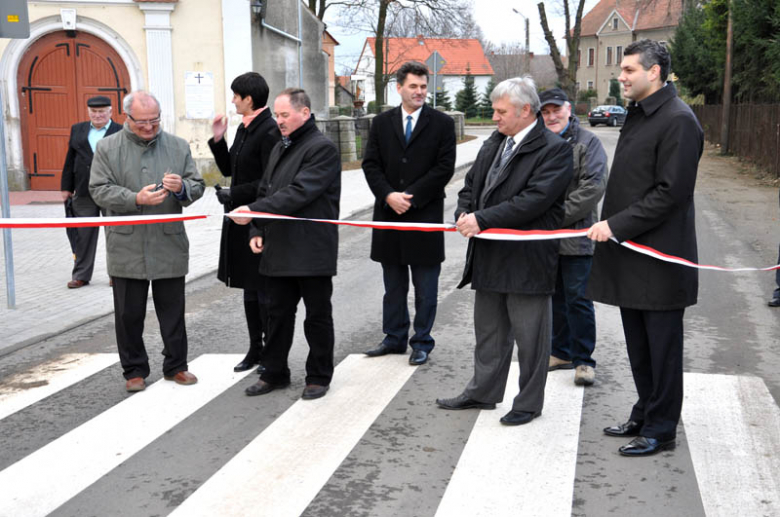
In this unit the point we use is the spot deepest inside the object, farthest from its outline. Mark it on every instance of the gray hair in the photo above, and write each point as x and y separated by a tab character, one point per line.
142	96
520	91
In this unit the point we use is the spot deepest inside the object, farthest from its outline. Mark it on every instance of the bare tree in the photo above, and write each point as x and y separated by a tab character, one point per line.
567	75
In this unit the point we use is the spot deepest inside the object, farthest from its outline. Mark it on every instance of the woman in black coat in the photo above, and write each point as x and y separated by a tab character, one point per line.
245	163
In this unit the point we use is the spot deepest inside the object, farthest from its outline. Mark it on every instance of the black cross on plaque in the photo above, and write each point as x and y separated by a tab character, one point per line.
199	77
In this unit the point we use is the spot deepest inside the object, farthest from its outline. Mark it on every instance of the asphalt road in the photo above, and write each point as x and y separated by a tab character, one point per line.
407	457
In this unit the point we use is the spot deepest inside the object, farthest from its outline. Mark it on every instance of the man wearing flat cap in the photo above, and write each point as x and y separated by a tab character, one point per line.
574	319
84	136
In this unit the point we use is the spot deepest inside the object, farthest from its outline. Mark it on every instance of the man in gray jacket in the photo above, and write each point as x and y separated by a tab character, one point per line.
574	320
143	170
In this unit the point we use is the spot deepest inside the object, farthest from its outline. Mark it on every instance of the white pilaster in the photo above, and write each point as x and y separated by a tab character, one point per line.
237	47
159	56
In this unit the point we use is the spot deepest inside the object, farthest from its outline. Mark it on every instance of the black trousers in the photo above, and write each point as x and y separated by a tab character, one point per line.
655	349
84	259
130	296
284	293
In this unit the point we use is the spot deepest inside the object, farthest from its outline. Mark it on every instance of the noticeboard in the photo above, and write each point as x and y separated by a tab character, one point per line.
14	20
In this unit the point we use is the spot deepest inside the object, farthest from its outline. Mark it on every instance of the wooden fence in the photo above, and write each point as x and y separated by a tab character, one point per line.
754	132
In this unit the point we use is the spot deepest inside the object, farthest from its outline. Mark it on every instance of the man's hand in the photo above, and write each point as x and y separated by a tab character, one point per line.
219	127
148	196
172	183
242	220
256	244
467	225
66	194
600	232
399	201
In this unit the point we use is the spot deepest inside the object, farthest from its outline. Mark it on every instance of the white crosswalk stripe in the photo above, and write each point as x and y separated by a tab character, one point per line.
45	479
496	461
732	429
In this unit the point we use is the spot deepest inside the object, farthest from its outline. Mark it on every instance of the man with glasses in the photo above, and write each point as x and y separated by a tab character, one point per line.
84	136
143	170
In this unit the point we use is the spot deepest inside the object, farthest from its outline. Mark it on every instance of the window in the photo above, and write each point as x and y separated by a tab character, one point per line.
591	56
609	56
618	55
578	86
590	85
614	23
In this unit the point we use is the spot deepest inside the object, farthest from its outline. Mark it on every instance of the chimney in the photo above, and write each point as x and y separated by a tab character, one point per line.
420	39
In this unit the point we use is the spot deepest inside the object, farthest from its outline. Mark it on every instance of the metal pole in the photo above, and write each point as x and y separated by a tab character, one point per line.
10	287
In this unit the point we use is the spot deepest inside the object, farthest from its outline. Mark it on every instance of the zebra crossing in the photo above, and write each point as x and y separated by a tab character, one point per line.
731	428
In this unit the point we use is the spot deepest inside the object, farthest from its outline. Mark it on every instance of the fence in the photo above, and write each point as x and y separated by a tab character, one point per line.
754	132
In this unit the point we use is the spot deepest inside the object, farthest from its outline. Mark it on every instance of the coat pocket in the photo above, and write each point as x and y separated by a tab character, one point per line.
173	228
123	230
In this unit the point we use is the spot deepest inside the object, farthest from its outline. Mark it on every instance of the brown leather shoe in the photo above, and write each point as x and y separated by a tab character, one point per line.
75	284
135	384
314	391
185	378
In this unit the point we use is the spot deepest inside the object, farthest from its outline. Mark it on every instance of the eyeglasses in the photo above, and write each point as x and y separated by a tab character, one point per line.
150	122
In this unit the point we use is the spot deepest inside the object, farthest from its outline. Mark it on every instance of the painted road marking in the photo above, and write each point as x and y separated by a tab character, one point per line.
24	389
732	425
524	470
42	481
281	471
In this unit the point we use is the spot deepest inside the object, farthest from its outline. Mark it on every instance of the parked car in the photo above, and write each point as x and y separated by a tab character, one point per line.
608	115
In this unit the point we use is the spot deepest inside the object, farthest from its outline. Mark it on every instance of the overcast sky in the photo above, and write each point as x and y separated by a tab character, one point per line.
496	18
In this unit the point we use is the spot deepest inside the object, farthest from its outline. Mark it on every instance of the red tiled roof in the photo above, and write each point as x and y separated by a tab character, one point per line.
458	53
638	14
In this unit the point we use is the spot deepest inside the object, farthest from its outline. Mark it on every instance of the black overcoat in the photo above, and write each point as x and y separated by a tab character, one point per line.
528	195
245	164
303	180
649	200
75	172
421	168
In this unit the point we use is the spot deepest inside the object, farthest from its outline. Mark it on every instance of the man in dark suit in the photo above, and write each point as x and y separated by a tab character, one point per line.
649	200
518	181
84	136
409	159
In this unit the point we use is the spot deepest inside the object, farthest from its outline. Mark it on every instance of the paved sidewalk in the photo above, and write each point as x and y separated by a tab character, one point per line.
43	261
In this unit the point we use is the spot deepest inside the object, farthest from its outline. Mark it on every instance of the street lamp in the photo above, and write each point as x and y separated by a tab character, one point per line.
258	8
527	42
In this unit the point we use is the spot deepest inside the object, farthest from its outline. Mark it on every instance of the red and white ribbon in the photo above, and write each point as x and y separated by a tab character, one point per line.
503	234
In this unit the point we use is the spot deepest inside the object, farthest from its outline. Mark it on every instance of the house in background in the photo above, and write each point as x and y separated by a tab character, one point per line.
462	56
329	47
81	48
344	95
542	68
610	27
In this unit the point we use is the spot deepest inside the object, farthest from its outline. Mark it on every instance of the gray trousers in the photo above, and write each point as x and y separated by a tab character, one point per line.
87	242
497	318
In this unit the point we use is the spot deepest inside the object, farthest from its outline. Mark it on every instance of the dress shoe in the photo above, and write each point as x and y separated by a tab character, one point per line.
75	284
774	302
261	388
559	364
247	363
135	384
584	375
519	417
463	402
184	378
644	446
260	370
384	349
314	391
630	428
418	357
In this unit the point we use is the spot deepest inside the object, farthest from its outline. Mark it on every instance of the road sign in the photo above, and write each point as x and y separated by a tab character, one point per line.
435	62
14	21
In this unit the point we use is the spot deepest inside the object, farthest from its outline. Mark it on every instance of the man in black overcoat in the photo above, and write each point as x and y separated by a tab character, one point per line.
649	200
518	181
409	159
74	183
303	179
245	164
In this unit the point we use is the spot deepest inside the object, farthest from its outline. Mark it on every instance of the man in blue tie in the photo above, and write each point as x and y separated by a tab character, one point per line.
74	183
409	159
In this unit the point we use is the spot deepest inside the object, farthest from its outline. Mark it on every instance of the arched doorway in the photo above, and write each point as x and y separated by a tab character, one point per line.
56	76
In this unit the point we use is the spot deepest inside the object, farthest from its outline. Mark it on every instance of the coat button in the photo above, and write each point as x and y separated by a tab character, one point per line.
403	160
402	183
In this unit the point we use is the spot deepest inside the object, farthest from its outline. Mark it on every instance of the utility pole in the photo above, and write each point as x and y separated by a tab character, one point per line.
726	115
527	60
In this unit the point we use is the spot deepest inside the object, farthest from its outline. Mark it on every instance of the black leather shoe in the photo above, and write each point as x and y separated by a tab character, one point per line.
630	428
261	388
463	402
418	357
774	302
519	417
314	391
246	364
260	370
384	349
643	446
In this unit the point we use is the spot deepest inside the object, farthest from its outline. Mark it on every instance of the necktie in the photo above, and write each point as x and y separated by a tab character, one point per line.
408	128
510	143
